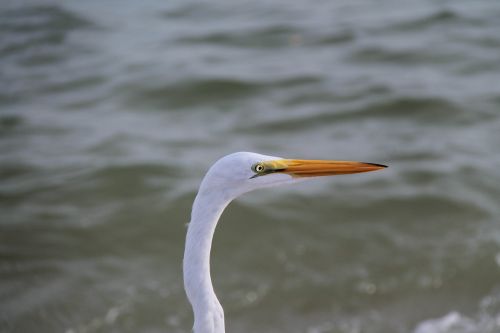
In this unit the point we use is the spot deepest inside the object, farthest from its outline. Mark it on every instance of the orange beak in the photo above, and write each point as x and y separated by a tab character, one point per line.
316	168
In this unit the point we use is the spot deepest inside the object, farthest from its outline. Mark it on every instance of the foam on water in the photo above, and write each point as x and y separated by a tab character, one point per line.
454	322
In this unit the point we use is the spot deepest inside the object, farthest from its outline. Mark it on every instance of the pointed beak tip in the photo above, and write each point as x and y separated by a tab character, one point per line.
377	165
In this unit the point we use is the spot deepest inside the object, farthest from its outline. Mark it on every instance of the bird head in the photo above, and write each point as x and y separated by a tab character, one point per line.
241	172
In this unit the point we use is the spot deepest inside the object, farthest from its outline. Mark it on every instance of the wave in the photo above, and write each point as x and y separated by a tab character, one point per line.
268	37
417	110
203	92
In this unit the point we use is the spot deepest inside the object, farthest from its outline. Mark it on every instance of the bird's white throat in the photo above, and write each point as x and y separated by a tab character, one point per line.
208	313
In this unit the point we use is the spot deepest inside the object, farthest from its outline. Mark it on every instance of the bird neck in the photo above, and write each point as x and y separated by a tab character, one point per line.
208	313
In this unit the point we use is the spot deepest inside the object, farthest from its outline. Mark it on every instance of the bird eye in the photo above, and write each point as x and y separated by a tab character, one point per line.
258	168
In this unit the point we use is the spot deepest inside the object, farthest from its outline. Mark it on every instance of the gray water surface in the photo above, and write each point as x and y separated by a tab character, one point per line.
111	112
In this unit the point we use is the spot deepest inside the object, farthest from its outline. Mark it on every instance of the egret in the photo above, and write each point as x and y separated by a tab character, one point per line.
228	178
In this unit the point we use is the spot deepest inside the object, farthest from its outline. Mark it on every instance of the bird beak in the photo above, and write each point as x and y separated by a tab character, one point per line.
316	168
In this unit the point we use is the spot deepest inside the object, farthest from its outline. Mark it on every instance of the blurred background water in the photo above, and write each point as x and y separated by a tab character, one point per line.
111	112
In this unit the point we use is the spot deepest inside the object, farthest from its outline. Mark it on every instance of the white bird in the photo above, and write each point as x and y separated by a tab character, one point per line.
228	178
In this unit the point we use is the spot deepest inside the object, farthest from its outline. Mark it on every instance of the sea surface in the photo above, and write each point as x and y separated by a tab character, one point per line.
112	111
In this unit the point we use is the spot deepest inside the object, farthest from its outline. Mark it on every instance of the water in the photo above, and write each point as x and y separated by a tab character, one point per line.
110	113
